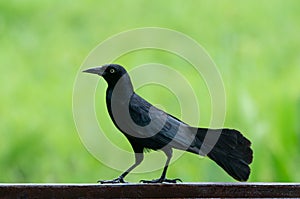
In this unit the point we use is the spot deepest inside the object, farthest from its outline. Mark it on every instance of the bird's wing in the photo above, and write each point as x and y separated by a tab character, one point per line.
139	110
158	127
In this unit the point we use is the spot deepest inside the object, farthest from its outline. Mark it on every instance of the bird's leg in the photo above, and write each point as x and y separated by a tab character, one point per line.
163	178
138	159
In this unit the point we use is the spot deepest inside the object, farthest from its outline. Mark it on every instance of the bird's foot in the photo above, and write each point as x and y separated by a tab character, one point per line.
114	181
162	180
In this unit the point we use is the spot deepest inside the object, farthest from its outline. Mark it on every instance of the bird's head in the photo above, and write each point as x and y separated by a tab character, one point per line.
110	72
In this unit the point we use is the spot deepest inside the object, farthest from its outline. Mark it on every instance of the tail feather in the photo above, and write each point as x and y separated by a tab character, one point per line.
231	151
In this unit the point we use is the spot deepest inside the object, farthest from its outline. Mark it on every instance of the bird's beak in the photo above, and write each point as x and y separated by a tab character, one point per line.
97	70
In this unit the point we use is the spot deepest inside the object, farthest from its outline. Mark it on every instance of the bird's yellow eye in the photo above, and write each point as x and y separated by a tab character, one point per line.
112	70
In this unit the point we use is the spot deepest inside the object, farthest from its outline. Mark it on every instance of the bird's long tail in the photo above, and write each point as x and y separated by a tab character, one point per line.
229	149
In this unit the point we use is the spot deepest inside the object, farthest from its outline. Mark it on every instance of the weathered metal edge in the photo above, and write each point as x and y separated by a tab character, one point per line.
136	190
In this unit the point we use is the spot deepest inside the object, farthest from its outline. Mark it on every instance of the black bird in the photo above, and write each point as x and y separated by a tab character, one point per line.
147	127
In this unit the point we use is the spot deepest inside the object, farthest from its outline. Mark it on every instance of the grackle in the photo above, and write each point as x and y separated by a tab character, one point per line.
147	127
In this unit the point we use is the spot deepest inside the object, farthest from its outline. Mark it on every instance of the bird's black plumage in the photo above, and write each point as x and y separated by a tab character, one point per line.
147	127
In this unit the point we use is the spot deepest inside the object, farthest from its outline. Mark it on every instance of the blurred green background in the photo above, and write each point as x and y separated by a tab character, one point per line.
255	45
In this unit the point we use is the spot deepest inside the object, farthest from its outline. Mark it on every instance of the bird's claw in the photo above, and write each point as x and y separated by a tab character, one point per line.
160	180
114	181
172	180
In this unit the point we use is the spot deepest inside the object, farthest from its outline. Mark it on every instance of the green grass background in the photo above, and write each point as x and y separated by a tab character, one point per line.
255	45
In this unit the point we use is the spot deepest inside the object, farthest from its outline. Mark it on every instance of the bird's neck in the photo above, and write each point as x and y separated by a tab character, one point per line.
119	94
120	88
